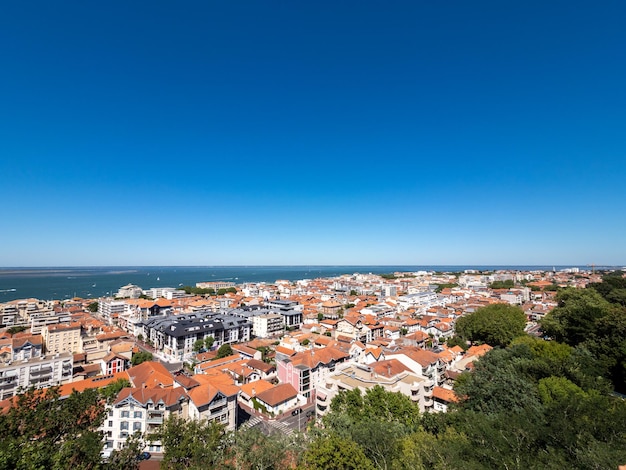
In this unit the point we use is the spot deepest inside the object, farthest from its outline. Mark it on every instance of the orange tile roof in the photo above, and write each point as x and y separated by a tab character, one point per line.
283	350
314	357
278	394
444	394
150	374
389	368
93	382
251	389
144	395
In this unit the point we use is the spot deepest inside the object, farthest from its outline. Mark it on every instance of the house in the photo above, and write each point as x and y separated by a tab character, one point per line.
422	362
214	401
113	363
442	398
373	354
250	390
141	410
278	399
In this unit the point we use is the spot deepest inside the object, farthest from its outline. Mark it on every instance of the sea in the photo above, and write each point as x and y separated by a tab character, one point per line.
61	283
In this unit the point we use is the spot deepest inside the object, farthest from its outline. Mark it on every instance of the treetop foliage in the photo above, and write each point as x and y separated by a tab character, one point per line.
496	325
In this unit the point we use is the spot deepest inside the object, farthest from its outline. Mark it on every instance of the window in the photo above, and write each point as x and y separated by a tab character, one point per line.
110	424
124	425
136	426
137	414
124	414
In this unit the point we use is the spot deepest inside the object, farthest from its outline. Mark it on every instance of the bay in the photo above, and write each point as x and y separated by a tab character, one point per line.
48	283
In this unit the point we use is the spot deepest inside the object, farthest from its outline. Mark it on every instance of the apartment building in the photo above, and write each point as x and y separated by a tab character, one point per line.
142	410
62	338
306	370
175	335
110	309
392	375
290	310
267	325
37	371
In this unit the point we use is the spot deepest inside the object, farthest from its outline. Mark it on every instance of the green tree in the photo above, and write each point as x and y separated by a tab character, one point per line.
495	324
43	431
499	383
16	329
198	345
93	307
612	288
111	391
141	356
502	284
377	421
336	453
253	450
191	444
208	342
456	341
575	316
224	351
441	287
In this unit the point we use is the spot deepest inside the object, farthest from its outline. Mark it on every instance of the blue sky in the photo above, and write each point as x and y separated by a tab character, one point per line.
241	133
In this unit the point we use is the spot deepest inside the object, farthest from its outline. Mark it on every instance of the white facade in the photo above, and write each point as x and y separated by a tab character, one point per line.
109	308
141	411
264	326
38	372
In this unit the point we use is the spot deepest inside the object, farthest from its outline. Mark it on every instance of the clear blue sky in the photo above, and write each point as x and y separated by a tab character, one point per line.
332	132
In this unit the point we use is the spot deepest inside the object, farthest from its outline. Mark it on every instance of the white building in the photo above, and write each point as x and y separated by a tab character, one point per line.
39	372
266	325
175	335
389	374
214	403
129	291
141	410
110	309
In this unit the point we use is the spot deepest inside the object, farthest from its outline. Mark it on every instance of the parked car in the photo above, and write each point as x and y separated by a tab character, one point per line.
296	412
144	456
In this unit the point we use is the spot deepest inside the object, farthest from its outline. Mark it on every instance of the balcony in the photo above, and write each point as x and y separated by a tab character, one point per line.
154	418
218	404
43	370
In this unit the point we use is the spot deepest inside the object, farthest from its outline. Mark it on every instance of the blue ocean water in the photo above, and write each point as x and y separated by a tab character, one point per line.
93	282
